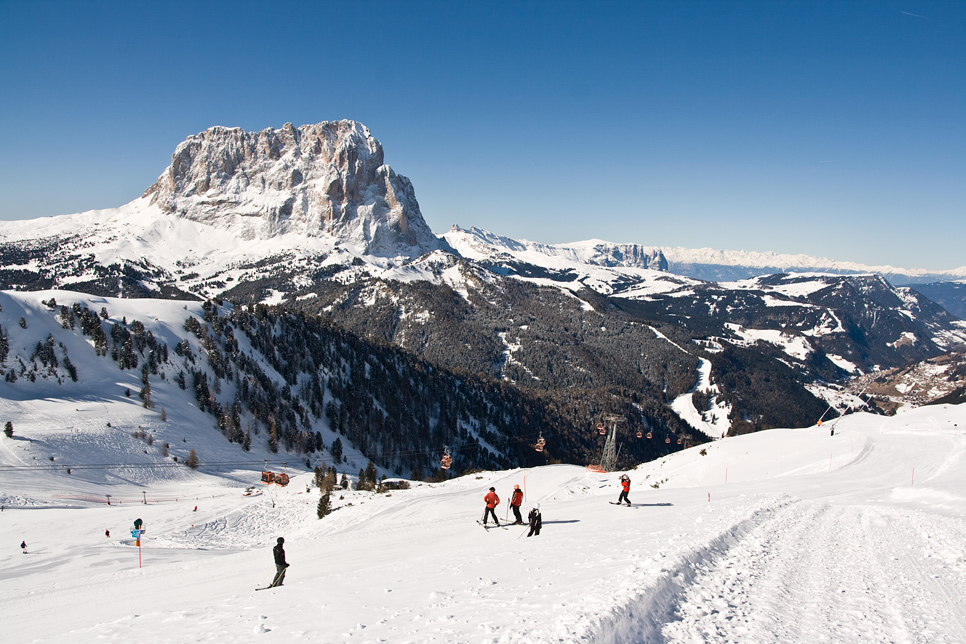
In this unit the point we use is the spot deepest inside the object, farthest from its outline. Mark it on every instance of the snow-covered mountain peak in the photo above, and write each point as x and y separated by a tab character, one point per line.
476	243
321	180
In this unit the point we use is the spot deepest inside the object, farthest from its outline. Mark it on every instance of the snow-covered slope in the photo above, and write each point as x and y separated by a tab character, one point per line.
623	270
862	532
700	263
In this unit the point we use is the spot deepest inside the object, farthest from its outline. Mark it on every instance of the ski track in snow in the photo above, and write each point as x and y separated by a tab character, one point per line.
812	572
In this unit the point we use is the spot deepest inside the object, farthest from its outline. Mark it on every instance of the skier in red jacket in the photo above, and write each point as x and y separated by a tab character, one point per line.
492	500
626	489
515	502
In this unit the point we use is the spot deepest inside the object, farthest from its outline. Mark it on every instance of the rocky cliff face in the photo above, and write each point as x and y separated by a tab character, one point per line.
326	179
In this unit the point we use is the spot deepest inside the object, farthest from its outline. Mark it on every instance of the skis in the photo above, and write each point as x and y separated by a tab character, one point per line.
612	503
499	525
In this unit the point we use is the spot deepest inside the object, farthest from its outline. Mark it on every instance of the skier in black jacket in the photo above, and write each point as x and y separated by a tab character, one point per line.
280	563
536	521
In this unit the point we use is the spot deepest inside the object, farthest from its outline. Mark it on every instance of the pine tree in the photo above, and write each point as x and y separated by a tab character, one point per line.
146	395
192	460
371	476
8	430
325	505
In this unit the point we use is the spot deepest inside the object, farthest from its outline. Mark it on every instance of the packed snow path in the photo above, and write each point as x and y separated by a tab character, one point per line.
813	572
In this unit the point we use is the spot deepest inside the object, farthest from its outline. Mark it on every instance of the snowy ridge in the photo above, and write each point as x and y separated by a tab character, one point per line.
702	263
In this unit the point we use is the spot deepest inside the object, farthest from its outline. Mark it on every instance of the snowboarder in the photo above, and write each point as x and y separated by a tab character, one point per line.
536	521
280	563
515	502
492	500
23	546
626	485
107	533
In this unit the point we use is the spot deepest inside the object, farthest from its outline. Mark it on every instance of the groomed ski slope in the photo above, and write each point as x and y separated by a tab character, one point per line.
782	536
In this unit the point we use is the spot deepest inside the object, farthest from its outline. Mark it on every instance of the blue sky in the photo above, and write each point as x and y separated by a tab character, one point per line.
835	129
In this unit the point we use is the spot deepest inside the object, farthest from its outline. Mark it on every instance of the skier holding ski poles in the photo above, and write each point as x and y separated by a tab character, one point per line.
515	502
536	521
492	500
280	563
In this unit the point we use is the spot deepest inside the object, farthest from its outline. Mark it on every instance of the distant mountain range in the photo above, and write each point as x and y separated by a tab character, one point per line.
312	221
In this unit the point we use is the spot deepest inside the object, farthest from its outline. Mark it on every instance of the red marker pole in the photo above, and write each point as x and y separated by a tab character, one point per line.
913	474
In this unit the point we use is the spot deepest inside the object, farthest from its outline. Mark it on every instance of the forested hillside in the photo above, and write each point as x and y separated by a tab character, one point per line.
299	383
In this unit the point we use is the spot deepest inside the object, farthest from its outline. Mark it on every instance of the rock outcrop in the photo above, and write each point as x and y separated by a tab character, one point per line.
326	179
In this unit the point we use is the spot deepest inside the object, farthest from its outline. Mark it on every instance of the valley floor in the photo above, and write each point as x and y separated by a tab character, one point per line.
783	536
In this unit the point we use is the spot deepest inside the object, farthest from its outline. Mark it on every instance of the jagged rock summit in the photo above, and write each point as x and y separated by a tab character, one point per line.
326	179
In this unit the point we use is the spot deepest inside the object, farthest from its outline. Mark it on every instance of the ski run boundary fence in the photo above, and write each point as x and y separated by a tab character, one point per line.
114	500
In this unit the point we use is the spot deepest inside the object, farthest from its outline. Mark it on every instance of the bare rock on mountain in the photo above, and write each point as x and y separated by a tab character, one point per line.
326	179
